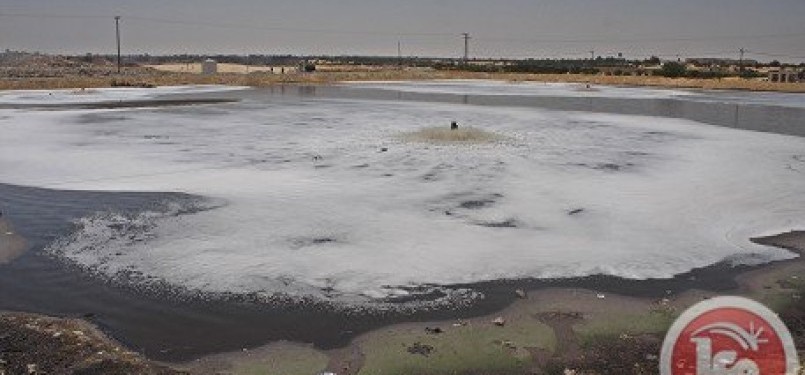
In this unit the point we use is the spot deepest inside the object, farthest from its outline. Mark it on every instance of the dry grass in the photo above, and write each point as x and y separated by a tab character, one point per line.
445	135
263	79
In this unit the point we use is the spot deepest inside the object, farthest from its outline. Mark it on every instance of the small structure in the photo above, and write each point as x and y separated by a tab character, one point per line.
209	67
453	125
785	75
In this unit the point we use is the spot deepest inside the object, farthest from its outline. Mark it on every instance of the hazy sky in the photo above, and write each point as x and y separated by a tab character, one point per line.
501	28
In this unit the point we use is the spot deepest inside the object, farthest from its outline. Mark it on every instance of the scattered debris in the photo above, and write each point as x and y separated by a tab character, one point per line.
508	344
558	315
460	323
521	293
434	331
601	296
575	211
384	149
421	349
510	223
34	344
499	321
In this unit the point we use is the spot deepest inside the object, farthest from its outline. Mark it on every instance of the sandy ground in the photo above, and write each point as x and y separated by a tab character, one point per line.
12	245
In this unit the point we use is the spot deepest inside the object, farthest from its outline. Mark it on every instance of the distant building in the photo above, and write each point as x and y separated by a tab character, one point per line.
785	75
209	66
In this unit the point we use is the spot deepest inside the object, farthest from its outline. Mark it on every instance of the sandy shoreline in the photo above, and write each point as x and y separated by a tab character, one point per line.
265	79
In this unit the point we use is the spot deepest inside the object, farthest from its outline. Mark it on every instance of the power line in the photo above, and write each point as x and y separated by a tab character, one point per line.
235	26
466	36
645	39
774	55
433	34
45	15
288	29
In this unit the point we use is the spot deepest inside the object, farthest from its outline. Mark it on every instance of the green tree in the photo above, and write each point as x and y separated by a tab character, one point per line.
673	69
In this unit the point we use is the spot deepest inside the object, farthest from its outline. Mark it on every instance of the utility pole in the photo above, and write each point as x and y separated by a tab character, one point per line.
741	60
117	33
466	47
399	54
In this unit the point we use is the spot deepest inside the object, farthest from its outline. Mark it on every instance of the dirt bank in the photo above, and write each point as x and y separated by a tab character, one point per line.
32	344
262	79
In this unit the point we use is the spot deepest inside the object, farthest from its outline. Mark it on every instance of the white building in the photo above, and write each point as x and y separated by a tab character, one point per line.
209	66
785	75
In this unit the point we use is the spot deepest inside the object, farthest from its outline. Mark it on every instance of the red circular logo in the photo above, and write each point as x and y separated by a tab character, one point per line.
728	336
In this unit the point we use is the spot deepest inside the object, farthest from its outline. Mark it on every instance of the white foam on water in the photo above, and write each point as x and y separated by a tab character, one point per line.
522	88
580	90
314	207
102	95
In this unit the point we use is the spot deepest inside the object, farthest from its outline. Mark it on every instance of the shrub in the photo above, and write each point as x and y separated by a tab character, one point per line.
673	69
